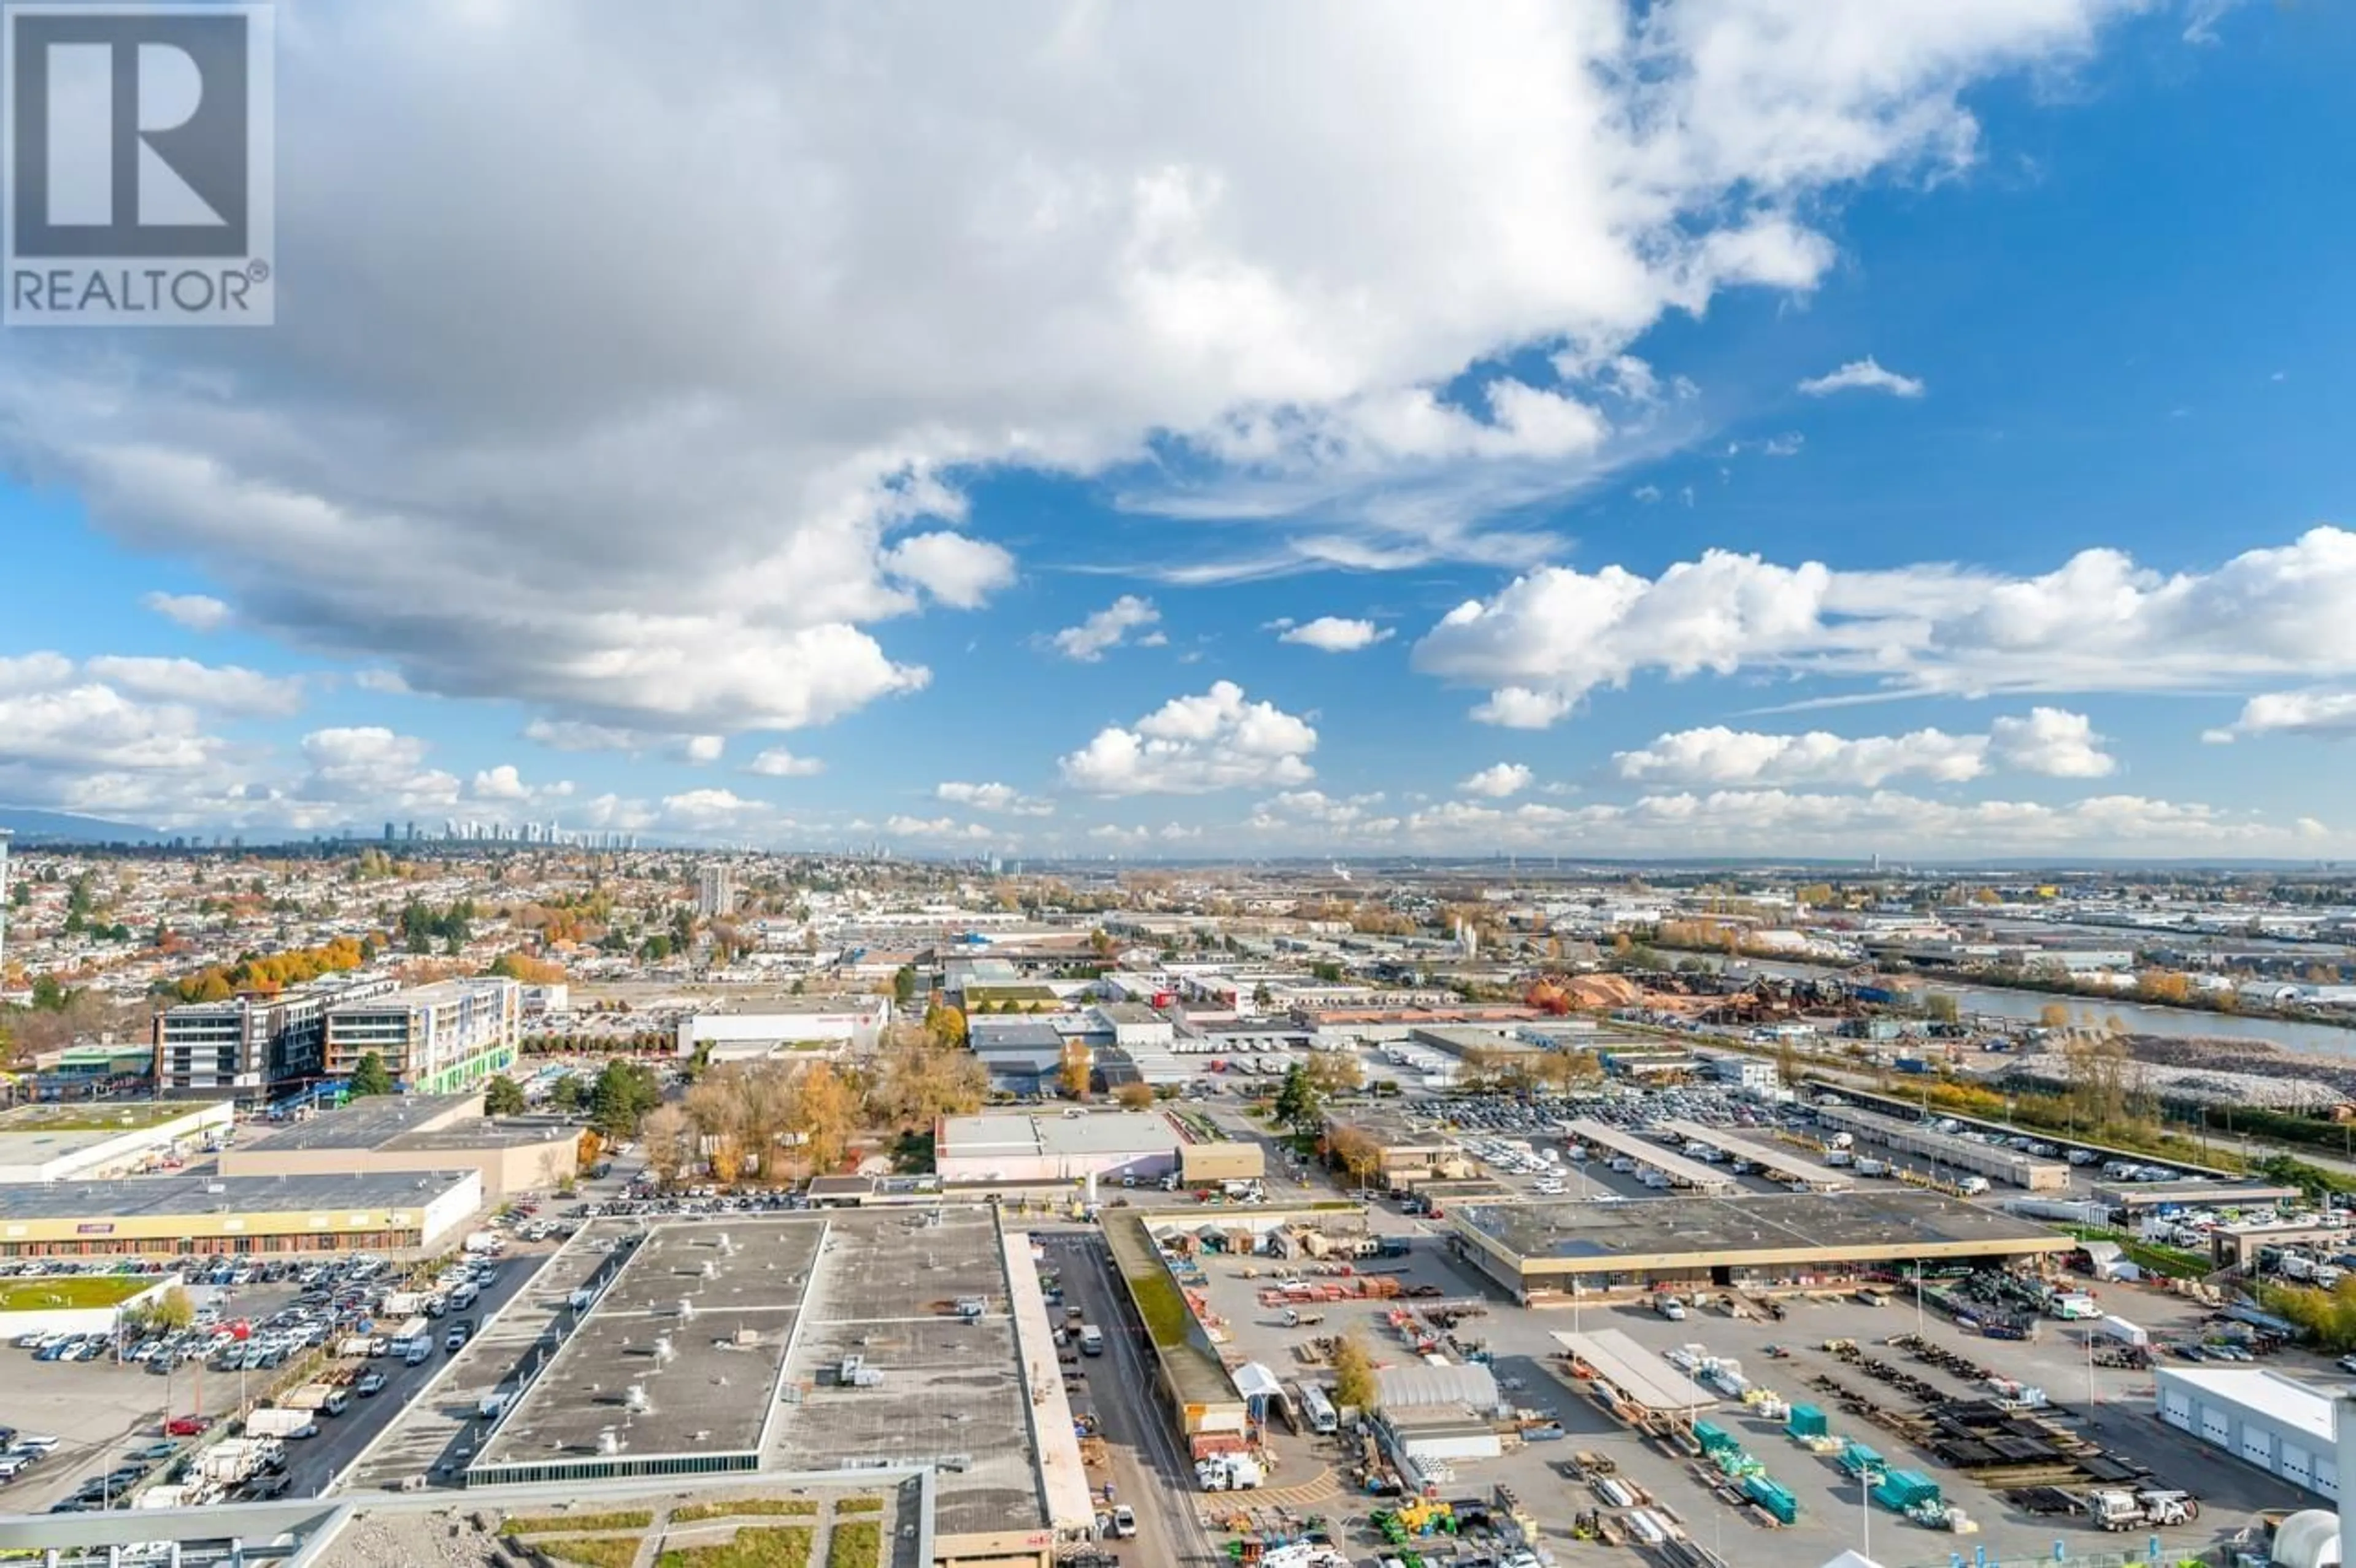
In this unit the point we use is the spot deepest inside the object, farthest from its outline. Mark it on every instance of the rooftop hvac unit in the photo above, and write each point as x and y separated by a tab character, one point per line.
609	1442
711	1269
663	1351
855	1372
635	1401
686	1309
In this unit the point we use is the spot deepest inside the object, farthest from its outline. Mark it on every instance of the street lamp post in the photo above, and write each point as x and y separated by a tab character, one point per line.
1868	1478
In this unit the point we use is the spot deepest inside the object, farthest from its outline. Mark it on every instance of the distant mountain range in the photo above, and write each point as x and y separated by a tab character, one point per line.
32	827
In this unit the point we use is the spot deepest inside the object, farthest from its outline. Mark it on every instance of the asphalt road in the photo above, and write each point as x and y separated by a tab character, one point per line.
1149	1472
314	1461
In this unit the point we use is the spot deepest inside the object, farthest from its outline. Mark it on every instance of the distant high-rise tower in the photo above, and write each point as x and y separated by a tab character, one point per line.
3	903
715	891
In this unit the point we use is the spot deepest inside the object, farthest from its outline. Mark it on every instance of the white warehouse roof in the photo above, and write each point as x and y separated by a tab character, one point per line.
1419	1385
2300	1407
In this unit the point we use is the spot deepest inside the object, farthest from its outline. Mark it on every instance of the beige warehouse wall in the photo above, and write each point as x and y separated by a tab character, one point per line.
524	1168
1223	1162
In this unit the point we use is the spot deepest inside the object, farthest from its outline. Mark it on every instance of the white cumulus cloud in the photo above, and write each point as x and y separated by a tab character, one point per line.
777	763
1861	376
1003	799
1335	635
2320	715
1499	781
1192	745
960	572
2098	623
196	611
2048	742
1107	629
224	688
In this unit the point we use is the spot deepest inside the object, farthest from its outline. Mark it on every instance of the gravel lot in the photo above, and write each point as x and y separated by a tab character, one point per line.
2119	1416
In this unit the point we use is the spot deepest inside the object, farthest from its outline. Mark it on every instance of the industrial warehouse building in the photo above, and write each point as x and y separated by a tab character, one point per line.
1546	1252
756	1029
95	1140
1918	1141
264	1214
2282	1426
792	1345
389	1136
1016	1148
1403	1153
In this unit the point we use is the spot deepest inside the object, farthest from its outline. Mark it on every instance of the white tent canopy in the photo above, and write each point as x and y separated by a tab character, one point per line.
2308	1540
1421	1386
1254	1380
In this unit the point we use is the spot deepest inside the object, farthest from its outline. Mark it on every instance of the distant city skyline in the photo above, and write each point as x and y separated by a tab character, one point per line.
1505	434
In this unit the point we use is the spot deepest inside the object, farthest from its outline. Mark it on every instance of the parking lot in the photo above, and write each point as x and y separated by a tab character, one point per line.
253	1320
2111	1406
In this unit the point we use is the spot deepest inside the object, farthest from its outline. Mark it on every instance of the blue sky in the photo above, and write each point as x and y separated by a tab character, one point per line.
1745	426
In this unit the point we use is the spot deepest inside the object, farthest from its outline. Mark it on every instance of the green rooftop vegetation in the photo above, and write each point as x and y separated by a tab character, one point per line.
581	1523
92	1117
855	1543
787	1508
784	1546
1163	1308
72	1291
592	1551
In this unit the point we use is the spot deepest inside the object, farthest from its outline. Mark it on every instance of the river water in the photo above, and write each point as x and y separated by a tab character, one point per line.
2140	1018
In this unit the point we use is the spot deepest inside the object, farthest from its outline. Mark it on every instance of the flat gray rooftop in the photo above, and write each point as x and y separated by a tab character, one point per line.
363	1124
1839	1225
1017	1134
810	1291
887	1290
238	1194
711	1389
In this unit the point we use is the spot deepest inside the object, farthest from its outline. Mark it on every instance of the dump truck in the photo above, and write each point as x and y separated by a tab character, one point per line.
2118	1508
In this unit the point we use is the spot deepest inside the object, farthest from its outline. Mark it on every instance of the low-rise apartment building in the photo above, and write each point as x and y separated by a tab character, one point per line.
254	1047
432	1038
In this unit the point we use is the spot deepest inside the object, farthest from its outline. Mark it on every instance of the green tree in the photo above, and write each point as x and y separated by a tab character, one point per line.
624	1091
566	1095
503	1097
903	986
370	1077
1299	1106
170	1312
1353	1373
49	995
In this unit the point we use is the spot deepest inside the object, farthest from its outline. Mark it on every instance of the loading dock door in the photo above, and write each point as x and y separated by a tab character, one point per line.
2258	1446
2297	1466
2217	1426
2176	1408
